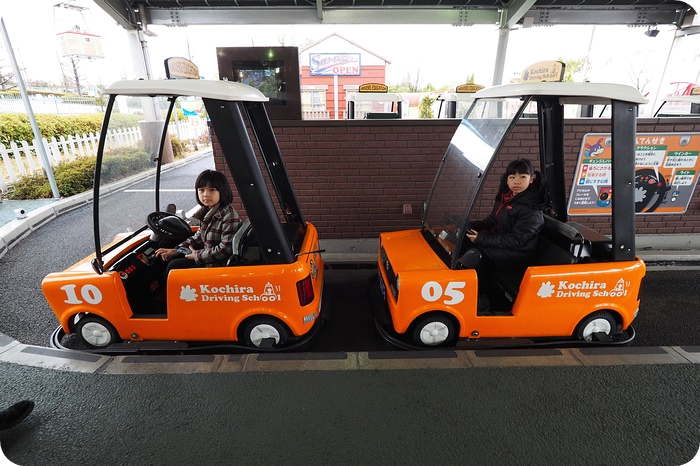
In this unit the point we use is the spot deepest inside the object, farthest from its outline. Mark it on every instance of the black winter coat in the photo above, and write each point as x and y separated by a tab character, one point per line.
508	236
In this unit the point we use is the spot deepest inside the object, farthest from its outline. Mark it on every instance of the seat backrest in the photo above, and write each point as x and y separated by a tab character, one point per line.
238	238
566	236
549	253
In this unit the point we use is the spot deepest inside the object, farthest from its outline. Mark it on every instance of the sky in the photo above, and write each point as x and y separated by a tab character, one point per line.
441	54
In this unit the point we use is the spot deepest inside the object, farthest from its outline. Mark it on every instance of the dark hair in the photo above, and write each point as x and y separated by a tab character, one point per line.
522	166
218	181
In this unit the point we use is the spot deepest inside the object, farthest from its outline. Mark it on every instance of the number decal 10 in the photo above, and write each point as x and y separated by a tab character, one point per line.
90	294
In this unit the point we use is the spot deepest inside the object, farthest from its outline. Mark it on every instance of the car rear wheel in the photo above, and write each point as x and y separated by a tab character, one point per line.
95	332
598	322
434	330
265	332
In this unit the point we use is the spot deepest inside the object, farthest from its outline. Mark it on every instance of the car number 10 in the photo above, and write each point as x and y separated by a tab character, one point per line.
432	291
90	294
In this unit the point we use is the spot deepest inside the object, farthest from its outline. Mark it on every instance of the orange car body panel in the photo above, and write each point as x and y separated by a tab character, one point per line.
204	304
551	302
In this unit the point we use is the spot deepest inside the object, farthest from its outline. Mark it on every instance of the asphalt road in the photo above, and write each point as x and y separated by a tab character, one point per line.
667	317
612	415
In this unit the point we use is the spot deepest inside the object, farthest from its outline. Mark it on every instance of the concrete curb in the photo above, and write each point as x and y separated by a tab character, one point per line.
12	351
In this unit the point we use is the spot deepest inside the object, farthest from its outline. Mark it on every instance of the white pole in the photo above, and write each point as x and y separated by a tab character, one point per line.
39	147
663	75
335	95
501	50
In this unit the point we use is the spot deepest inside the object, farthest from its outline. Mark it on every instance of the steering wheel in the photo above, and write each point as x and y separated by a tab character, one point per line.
168	226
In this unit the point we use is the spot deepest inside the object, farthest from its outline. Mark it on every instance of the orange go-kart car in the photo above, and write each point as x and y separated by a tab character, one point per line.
583	284
269	293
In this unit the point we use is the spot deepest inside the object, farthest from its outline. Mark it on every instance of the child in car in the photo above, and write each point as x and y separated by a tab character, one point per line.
506	240
212	244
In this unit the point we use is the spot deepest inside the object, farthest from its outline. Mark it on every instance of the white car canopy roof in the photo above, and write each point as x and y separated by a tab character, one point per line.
693	99
221	90
568	92
457	96
373	97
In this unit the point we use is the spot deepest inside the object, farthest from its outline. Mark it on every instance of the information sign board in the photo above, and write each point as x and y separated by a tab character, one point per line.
666	173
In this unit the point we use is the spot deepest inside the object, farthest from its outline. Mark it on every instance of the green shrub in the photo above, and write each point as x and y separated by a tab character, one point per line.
425	107
178	147
34	186
16	126
119	163
77	176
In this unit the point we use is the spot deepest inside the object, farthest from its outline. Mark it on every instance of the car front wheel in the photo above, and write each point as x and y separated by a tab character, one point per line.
434	330
95	332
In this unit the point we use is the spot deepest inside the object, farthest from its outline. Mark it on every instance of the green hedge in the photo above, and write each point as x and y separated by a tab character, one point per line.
16	126
76	176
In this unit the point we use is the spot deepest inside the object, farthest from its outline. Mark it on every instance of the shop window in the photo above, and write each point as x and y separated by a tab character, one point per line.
312	100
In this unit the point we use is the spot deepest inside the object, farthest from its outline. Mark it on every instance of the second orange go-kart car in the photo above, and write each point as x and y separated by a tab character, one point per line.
583	284
269	293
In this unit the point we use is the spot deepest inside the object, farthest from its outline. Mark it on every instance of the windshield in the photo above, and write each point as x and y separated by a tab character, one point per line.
461	173
127	183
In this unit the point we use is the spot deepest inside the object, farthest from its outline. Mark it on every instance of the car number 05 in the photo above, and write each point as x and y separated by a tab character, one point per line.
432	291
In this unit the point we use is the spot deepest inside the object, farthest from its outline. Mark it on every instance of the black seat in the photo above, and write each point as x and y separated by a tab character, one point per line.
548	253
238	238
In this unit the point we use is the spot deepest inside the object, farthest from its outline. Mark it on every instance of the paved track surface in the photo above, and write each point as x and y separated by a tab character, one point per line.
636	415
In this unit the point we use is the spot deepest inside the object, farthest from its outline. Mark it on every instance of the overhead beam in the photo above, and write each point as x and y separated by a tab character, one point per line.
312	15
505	14
315	13
119	11
629	16
515	11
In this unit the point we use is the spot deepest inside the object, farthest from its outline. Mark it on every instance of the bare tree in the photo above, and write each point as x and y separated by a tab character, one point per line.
71	74
413	84
7	78
640	76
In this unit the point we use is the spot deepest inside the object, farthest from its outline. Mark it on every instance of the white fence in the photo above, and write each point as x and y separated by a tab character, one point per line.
315	114
21	158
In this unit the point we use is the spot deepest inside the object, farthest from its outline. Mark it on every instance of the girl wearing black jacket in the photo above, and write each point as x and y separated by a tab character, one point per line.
507	238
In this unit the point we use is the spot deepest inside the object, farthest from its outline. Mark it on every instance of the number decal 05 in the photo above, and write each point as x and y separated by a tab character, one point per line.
90	294
432	291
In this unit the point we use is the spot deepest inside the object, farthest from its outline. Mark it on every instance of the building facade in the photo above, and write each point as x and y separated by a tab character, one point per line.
330	69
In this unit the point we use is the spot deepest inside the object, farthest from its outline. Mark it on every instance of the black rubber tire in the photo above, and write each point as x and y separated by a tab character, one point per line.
258	328
598	320
95	332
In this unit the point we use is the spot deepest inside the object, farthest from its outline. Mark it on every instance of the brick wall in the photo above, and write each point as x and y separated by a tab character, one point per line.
352	178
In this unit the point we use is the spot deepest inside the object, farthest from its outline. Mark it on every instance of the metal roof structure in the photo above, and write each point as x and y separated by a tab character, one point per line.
138	14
